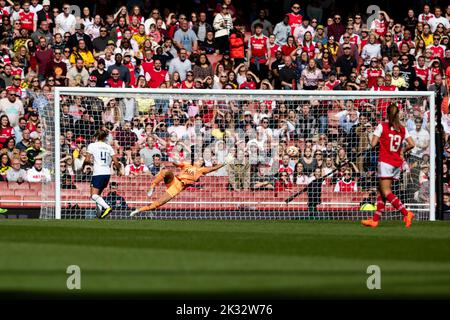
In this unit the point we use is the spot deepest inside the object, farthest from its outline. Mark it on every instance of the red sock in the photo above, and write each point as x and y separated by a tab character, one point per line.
380	208
396	203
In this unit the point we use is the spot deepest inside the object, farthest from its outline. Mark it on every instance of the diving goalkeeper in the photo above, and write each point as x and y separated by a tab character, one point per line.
175	184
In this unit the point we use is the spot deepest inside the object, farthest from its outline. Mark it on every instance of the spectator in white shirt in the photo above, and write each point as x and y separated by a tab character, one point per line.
371	50
12	106
35	6
37	173
16	173
421	139
300	31
178	128
65	21
282	31
437	19
180	64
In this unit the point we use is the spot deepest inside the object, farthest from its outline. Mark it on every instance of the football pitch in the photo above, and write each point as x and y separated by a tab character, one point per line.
216	259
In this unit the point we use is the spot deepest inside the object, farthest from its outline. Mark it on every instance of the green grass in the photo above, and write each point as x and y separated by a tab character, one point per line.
224	258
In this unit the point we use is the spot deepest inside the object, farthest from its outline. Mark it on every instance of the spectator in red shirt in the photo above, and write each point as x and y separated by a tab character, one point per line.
283	183
6	131
114	81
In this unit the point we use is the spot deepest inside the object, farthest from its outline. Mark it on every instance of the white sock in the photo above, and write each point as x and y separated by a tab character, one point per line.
99	200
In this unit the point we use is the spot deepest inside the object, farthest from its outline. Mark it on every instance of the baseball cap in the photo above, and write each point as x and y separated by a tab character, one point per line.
320	27
247	113
92	78
17	77
346	47
101	61
79	26
45	3
111	42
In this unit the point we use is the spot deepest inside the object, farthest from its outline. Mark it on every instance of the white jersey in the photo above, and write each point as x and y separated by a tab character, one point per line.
102	154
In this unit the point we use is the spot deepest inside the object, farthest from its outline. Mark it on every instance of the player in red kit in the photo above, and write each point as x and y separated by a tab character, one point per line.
391	136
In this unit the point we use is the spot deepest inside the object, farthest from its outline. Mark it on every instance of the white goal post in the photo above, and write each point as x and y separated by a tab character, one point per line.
243	199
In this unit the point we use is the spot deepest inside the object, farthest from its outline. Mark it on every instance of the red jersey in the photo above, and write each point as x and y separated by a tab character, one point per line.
16	71
157	77
422	73
259	48
354	39
310	49
391	141
281	186
438	51
19	90
130	67
273	48
27	20
5	134
364	42
135	170
433	72
380	27
115	84
286	50
331	86
185	85
295	20
147	65
343	186
372	76
248	85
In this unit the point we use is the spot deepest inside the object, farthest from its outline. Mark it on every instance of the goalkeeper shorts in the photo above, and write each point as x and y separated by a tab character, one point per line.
175	187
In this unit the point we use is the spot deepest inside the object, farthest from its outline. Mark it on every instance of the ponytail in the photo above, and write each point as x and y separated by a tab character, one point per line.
393	116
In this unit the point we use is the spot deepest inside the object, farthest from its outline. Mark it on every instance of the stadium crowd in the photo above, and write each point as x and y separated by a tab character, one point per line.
43	45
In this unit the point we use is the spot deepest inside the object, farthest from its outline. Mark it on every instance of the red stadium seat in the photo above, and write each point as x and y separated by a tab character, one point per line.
16	201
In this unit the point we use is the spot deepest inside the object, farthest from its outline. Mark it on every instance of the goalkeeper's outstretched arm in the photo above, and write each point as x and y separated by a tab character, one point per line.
228	160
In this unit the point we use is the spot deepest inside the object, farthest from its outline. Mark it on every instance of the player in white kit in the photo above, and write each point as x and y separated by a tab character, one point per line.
101	154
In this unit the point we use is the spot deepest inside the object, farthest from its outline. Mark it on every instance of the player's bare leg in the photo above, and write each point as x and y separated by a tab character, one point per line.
168	177
103	209
166	197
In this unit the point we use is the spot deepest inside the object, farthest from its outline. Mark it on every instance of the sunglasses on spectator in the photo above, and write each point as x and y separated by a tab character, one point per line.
404	59
337	18
114	74
296	7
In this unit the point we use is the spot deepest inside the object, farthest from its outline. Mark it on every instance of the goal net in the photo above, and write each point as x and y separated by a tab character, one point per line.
150	130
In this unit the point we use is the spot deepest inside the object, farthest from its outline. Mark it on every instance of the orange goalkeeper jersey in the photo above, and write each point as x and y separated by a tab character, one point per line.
190	173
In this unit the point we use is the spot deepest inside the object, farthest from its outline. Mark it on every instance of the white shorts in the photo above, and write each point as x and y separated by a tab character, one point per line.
387	171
